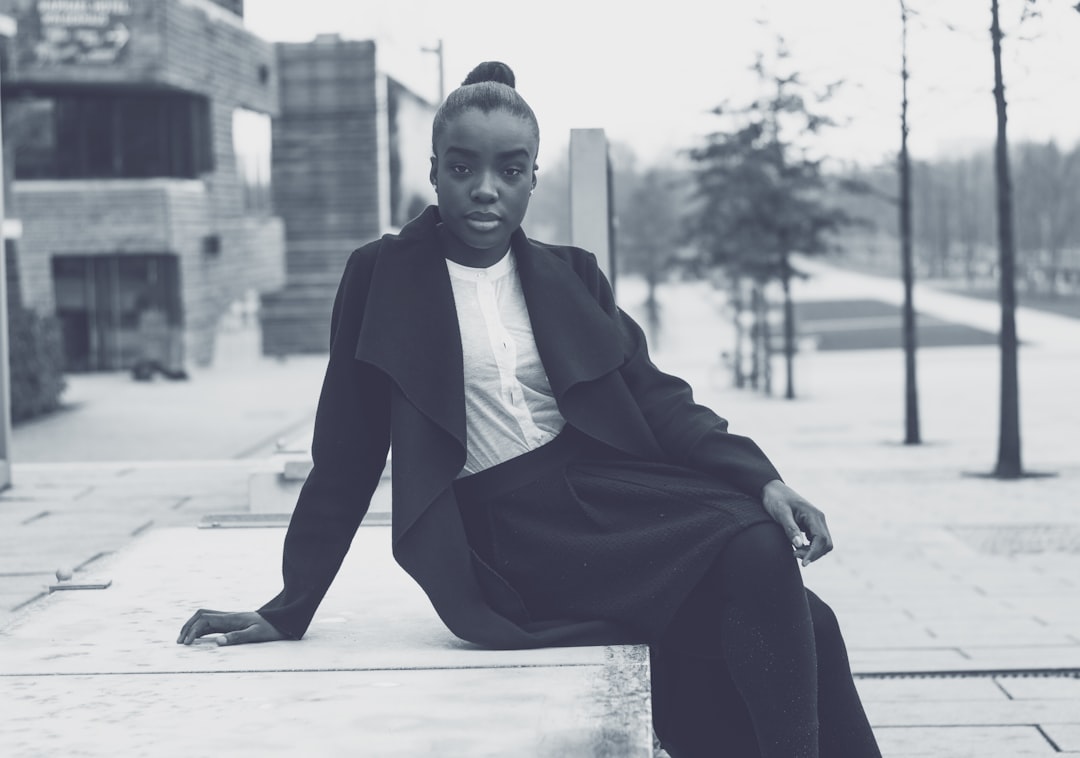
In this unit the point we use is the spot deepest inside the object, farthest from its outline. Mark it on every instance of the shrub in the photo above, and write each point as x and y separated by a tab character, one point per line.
36	355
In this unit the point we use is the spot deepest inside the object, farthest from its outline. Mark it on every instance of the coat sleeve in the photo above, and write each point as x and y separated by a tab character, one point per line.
349	449
690	434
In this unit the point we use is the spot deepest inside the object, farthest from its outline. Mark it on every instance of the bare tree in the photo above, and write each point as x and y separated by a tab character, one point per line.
1008	461
911	397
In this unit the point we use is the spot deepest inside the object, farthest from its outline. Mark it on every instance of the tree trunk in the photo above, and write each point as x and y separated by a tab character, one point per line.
755	336
911	397
766	343
789	333
740	333
652	308
1008	462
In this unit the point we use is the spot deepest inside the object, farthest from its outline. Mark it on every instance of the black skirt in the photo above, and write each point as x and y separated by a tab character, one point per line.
582	531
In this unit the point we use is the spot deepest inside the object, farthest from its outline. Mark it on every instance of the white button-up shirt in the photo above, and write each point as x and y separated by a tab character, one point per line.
509	405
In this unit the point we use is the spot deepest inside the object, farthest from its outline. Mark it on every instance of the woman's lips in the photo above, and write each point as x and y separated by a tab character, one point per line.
482	222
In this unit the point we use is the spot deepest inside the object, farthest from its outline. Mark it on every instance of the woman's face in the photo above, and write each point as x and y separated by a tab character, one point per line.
483	173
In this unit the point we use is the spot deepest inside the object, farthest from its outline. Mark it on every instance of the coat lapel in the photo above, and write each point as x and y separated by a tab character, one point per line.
576	340
409	329
582	349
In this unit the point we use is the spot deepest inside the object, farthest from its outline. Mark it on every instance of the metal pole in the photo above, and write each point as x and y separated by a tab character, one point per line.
438	51
442	71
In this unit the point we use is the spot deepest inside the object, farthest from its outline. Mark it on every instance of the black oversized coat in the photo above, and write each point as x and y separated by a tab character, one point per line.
395	372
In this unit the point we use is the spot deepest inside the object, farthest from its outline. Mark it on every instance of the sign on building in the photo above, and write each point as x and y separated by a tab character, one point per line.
75	32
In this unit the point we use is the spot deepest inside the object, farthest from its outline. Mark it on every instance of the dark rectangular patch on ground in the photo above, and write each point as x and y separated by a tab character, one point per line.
876	325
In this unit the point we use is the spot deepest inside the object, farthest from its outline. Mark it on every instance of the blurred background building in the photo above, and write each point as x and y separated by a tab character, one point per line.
350	163
141	140
139	137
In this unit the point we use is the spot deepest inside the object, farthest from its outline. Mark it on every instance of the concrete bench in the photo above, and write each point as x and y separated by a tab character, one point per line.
99	673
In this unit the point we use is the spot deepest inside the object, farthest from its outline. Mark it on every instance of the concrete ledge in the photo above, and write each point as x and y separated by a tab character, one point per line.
99	673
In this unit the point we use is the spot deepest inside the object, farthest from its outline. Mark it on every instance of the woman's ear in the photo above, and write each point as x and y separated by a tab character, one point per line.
536	168
433	176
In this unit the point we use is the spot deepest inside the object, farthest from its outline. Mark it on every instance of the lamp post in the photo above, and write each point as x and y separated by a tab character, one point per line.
438	51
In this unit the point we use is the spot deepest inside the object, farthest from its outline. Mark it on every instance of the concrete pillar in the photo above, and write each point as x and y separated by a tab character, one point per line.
7	37
382	148
590	197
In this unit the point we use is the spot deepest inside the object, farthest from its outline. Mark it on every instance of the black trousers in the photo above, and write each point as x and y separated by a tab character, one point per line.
755	665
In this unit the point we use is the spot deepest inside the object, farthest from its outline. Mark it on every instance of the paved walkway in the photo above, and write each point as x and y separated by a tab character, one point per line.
957	593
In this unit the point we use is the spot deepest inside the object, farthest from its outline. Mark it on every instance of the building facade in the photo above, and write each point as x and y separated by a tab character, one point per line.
138	137
350	161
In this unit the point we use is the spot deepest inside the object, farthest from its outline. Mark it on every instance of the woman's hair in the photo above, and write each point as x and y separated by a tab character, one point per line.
488	87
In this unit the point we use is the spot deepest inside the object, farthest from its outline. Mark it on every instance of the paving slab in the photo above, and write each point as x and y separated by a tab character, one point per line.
971	712
963	741
1021	688
910	689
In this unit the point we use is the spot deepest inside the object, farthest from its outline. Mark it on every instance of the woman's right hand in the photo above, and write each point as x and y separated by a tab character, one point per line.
234	628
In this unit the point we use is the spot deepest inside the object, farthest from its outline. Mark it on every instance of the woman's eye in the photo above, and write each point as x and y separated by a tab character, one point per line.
459	169
514	171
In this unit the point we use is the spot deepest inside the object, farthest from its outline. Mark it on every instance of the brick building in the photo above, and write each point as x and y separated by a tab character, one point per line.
350	162
138	133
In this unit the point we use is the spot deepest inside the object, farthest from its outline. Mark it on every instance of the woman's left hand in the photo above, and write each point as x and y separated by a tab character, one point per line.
799	519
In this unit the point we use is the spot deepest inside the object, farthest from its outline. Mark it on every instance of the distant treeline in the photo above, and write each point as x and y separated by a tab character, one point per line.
954	215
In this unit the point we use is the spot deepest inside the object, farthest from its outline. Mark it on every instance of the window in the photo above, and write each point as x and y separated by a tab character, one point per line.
251	133
106	134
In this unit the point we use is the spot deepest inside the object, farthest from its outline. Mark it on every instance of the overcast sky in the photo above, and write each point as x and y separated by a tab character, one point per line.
649	72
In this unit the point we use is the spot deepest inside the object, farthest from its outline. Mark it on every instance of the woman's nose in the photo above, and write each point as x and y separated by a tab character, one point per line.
484	190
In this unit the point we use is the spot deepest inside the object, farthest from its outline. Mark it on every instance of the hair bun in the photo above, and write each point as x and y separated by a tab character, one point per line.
491	71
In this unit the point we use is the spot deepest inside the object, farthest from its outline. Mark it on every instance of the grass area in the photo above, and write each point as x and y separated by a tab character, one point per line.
1064	305
875	325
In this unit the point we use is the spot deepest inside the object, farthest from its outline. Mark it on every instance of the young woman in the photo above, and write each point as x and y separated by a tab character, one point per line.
550	485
